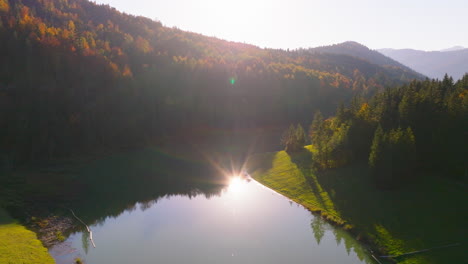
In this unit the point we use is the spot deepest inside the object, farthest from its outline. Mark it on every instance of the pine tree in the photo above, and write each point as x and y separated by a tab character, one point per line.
294	138
300	137
375	156
340	112
287	138
316	129
320	139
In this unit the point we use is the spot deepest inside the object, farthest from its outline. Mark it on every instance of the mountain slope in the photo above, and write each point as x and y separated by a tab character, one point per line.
358	50
434	64
76	75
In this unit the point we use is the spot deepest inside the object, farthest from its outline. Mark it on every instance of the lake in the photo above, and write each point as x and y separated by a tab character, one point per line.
240	221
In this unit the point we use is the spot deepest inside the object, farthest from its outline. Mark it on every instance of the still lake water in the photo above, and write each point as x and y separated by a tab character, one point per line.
243	223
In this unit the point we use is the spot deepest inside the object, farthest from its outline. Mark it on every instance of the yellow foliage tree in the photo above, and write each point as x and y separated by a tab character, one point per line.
4	7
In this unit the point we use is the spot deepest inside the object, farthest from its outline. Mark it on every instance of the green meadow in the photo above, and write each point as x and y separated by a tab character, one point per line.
19	245
431	213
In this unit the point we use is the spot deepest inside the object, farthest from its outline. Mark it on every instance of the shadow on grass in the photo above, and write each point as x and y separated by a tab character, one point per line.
262	161
303	161
417	216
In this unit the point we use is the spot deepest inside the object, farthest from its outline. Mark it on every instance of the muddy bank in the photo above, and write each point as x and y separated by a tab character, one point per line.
52	229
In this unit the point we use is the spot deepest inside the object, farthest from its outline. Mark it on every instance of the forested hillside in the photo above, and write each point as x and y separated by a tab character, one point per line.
402	133
76	76
355	49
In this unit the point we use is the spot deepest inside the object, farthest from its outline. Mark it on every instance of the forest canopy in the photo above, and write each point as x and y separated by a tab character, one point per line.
76	76
401	132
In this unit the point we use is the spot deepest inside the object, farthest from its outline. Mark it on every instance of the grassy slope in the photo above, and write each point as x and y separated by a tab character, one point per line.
19	245
412	218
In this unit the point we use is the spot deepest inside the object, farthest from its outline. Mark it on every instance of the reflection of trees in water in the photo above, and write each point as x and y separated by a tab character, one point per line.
318	227
348	245
128	181
145	205
360	252
338	235
85	241
99	203
119	206
207	193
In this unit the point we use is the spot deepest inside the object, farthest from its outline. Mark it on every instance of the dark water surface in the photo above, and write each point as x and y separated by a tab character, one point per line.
241	222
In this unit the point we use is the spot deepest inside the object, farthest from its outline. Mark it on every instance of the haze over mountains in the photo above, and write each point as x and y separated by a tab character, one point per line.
454	48
433	64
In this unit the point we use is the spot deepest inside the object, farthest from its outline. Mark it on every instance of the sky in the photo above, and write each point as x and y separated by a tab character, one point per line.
416	24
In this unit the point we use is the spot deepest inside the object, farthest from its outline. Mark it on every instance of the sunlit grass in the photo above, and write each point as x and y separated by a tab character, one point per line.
19	245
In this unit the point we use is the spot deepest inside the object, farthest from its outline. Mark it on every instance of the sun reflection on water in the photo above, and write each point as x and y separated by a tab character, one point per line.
236	185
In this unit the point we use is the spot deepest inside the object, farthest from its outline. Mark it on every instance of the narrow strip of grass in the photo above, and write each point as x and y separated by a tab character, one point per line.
20	245
418	216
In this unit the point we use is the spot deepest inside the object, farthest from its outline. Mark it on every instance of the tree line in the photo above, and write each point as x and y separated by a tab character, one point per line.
401	133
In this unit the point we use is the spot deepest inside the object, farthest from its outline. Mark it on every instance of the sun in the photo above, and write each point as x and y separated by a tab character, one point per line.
236	185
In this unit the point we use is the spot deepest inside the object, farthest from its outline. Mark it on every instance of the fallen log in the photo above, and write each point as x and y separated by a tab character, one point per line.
87	228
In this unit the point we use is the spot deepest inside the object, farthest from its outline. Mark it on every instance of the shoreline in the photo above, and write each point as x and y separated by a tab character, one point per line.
389	223
366	242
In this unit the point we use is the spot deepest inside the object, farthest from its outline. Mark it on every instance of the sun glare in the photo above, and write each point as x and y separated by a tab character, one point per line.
236	185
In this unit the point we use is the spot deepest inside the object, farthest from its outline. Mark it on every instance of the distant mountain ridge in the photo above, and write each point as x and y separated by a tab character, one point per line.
355	49
434	64
454	48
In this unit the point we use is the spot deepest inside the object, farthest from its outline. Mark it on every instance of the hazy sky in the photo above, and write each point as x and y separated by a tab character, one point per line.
418	24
